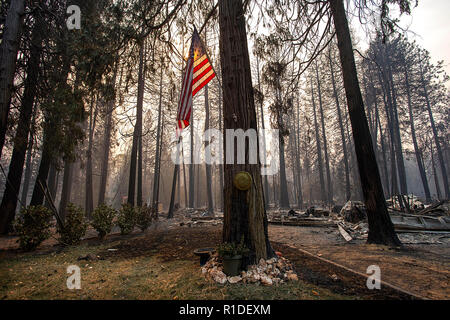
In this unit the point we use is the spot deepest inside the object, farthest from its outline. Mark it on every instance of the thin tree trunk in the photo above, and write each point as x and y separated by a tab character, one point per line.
66	188
341	127
191	165
436	137
323	196
383	153
325	144
52	184
266	183
28	165
381	229
184	180
436	179
158	150
221	163
107	141
297	156
422	172
89	192
398	141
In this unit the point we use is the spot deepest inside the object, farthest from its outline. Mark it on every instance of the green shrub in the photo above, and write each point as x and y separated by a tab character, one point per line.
75	225
127	219
33	227
144	217
230	249
102	219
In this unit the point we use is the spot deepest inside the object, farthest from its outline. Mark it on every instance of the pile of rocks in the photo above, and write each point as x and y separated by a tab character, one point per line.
267	272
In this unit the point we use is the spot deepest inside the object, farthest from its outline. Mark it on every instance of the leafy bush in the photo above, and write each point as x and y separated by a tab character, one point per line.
144	217
75	225
102	219
127	219
230	249
33	227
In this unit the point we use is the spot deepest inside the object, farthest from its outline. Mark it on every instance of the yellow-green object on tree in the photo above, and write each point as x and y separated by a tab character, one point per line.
242	180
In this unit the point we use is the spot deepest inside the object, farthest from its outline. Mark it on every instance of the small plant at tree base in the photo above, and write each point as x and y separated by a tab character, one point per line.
102	220
144	217
232	249
33	227
127	219
75	225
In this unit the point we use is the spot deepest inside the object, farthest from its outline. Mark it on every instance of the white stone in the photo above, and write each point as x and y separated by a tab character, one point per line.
234	279
220	277
265	280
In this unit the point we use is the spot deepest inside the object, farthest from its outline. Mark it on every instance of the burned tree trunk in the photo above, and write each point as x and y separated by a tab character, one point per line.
10	196
325	144
341	127
323	196
208	166
66	188
9	48
423	174
244	214
137	128
436	137
89	192
381	229
158	150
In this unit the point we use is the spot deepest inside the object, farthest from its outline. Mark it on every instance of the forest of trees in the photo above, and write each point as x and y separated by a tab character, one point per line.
88	115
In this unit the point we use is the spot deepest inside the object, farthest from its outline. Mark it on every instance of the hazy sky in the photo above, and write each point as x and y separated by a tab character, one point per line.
430	21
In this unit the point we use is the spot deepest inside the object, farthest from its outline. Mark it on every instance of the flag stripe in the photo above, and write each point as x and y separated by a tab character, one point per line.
201	75
186	91
200	60
204	83
203	68
200	65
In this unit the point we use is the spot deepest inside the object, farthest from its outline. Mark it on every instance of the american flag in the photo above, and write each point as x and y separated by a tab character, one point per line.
197	74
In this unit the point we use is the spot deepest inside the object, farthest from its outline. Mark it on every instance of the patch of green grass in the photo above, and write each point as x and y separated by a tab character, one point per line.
44	276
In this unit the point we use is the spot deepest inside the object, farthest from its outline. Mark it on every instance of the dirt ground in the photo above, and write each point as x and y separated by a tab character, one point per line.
420	269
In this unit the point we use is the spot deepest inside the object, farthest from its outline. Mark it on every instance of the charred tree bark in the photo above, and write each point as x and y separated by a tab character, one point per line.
11	194
158	150
244	213
52	184
44	167
89	192
383	153
436	179
66	188
137	128
381	229
9	48
28	165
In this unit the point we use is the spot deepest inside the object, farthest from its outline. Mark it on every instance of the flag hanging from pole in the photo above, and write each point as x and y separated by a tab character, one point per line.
198	73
